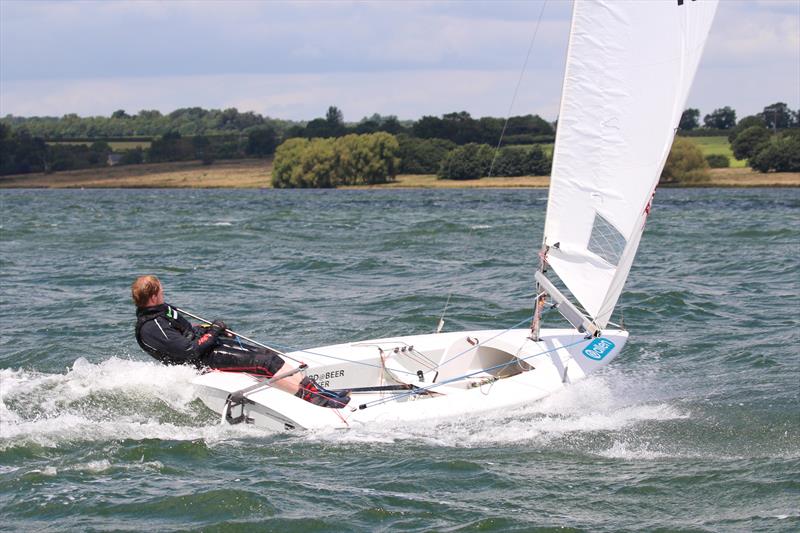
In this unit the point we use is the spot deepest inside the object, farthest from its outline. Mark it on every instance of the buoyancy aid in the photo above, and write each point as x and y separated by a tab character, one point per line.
146	314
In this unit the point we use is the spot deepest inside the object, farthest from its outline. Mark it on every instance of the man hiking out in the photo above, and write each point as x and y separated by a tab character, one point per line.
170	338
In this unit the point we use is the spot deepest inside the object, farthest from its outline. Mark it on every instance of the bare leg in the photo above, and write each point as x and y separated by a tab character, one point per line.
290	383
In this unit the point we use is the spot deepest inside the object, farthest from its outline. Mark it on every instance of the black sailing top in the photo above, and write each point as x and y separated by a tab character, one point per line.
169	337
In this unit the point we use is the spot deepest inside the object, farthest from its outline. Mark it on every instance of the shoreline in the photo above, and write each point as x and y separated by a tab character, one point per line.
257	173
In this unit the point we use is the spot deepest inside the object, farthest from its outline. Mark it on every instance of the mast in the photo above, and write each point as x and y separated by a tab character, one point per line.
541	295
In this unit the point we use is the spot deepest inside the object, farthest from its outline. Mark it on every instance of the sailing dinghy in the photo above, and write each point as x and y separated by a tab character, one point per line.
628	73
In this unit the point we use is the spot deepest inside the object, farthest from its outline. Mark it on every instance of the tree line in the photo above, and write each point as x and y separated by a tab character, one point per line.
147	124
32	144
721	120
454	145
460	127
22	153
767	145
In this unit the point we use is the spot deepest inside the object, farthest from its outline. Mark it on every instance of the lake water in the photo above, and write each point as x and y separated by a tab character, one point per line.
696	427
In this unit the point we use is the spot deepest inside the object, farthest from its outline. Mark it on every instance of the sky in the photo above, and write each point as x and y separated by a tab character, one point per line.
291	60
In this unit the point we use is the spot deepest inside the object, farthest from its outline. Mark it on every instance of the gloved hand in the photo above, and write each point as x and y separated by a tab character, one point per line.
218	328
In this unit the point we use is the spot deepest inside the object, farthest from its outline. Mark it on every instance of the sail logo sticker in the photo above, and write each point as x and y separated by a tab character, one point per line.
598	349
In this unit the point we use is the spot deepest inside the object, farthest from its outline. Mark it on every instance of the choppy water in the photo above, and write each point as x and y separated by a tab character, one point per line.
696	427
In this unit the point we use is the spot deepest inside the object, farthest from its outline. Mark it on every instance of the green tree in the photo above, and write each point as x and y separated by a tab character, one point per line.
539	164
462	128
781	154
690	119
746	122
334	117
470	161
98	152
723	118
367	126
685	163
319	165
21	153
422	156
366	159
6	147
750	141
329	162
330	126
171	147
430	127
202	149
261	141
511	161
151	114
777	116
391	125
718	161
530	125
134	156
287	167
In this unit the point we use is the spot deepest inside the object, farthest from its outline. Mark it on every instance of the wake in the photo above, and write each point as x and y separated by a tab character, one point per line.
116	399
120	399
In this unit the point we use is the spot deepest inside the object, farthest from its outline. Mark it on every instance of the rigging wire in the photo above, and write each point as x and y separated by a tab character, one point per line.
516	89
502	132
410	373
420	390
290	349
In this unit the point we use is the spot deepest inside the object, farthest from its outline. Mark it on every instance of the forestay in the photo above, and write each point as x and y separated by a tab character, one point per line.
629	69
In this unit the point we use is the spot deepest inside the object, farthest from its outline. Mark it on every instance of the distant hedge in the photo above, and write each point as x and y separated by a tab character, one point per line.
468	162
330	162
473	161
703	132
718	161
422	156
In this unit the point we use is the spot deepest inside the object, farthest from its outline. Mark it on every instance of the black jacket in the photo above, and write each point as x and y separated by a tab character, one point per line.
170	338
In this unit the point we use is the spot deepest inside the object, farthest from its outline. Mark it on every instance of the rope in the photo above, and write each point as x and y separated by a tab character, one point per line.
289	348
502	132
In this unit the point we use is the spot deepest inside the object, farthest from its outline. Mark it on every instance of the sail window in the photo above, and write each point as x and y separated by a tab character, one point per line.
606	241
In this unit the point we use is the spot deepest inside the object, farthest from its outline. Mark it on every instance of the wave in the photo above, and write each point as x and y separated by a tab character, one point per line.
120	399
111	400
589	407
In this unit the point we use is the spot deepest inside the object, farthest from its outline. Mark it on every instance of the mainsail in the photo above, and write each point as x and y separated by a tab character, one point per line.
629	69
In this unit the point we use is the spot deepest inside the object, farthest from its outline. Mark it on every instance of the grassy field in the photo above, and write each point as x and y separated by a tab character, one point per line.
235	174
717	145
117	146
257	173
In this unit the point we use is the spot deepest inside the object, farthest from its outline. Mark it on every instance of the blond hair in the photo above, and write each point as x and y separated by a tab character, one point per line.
144	288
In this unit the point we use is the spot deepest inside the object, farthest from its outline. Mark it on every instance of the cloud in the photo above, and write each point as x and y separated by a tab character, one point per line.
408	94
43	40
751	33
293	59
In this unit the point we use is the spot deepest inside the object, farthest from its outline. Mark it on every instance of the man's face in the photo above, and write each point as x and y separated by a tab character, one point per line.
157	298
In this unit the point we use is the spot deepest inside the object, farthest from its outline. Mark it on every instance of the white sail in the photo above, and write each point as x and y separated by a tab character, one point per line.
629	69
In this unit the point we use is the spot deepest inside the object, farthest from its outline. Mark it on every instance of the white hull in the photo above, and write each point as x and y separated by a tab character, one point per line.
454	374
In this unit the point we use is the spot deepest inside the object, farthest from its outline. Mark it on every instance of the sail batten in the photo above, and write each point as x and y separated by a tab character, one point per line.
629	70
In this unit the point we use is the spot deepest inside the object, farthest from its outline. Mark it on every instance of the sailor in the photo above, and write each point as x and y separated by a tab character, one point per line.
163	333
